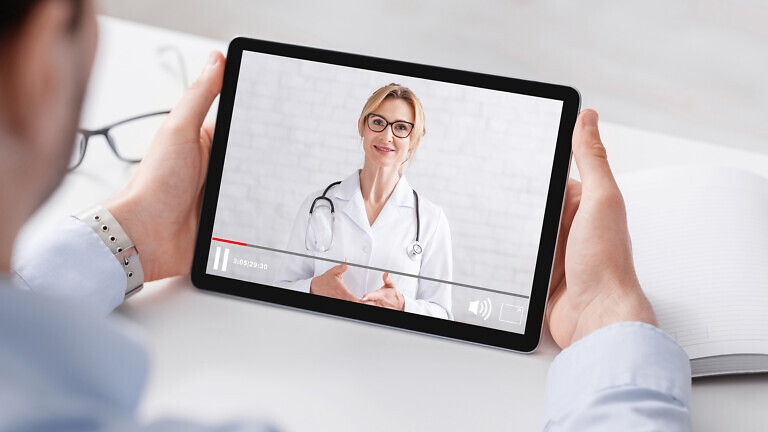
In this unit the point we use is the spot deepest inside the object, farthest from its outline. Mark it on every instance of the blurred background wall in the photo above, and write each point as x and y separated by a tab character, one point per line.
690	68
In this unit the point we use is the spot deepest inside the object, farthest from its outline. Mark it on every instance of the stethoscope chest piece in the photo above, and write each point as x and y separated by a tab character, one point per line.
414	250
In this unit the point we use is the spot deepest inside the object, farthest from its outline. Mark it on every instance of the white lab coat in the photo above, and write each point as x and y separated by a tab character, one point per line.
383	245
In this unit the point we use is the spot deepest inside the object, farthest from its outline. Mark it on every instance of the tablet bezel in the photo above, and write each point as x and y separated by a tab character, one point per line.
526	342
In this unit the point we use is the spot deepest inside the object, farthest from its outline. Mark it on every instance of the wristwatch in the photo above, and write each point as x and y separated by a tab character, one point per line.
112	234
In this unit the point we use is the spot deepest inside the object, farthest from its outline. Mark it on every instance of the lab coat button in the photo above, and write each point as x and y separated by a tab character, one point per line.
366	249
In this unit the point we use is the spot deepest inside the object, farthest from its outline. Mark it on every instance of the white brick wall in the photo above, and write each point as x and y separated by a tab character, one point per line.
486	160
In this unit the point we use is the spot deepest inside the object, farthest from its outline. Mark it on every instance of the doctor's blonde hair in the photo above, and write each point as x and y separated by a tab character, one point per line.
396	91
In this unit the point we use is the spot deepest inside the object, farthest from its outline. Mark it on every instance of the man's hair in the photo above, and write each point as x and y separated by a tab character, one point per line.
14	14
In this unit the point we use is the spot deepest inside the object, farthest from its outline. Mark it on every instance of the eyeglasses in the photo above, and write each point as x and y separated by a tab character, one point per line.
129	139
400	128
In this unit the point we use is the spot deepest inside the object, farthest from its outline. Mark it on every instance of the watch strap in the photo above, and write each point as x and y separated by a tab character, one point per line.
114	237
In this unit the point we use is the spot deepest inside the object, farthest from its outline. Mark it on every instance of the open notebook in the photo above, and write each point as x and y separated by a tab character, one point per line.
700	243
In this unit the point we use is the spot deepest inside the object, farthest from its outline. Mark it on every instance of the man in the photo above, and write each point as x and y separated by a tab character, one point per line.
64	367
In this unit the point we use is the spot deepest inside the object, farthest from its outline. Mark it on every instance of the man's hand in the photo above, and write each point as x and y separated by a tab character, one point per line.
387	296
160	206
331	284
594	283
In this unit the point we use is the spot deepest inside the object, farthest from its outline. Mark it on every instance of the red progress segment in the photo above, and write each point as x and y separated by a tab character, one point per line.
228	241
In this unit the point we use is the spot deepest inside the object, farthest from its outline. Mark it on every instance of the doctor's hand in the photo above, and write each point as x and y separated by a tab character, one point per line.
160	206
387	296
594	283
331	284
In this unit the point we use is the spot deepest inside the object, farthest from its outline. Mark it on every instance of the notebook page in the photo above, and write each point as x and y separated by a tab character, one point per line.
700	243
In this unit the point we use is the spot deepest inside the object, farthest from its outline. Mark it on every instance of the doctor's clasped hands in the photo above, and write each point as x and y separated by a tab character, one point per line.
331	284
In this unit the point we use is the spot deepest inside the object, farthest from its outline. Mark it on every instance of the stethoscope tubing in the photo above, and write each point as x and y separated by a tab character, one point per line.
411	251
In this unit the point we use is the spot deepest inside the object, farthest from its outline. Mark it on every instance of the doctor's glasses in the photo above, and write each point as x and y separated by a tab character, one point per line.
400	128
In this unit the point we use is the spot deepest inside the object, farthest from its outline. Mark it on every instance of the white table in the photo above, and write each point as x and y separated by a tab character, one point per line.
216	358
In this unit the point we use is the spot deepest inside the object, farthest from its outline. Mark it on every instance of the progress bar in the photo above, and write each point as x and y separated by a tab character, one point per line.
474	287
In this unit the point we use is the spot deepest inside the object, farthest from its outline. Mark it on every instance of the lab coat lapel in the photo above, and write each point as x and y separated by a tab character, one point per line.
353	207
355	210
398	204
390	213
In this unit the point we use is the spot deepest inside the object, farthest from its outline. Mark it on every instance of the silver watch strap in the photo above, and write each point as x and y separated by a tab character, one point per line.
113	235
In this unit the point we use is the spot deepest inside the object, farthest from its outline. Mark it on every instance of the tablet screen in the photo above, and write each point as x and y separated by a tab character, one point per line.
397	192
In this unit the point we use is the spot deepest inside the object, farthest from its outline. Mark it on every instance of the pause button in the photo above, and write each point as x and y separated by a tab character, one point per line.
223	262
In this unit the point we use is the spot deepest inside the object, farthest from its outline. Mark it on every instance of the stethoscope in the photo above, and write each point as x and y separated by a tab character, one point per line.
414	249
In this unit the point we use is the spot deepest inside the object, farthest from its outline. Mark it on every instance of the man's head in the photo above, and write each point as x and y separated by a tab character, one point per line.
47	49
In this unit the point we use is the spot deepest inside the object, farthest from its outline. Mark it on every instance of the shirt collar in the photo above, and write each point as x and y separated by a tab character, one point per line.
403	194
350	188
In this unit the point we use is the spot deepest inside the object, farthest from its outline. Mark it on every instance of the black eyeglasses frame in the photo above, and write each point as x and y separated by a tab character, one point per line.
389	124
86	134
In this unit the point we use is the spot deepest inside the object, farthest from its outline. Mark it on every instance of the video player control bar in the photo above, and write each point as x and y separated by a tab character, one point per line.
474	287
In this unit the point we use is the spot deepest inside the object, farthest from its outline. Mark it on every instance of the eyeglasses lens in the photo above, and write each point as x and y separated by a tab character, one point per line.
376	123
400	129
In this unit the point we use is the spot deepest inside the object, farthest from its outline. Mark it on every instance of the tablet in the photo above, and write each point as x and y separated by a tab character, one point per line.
417	197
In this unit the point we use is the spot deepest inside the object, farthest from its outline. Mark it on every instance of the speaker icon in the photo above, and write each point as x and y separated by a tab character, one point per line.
481	308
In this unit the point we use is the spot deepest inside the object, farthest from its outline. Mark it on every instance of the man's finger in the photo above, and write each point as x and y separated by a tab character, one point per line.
196	102
208	128
590	154
571	205
387	280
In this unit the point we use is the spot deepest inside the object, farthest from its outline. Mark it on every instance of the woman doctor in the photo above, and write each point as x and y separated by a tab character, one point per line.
374	219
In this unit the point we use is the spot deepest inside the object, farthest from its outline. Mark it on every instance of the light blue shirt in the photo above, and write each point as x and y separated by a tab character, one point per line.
628	376
64	366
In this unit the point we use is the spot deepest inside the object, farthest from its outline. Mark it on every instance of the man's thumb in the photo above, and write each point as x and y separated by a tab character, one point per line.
196	102
589	152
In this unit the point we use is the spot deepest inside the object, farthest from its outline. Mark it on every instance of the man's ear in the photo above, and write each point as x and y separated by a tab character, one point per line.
35	68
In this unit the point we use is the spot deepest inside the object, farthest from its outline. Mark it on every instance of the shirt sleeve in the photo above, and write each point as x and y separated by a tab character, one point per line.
624	377
63	369
67	261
